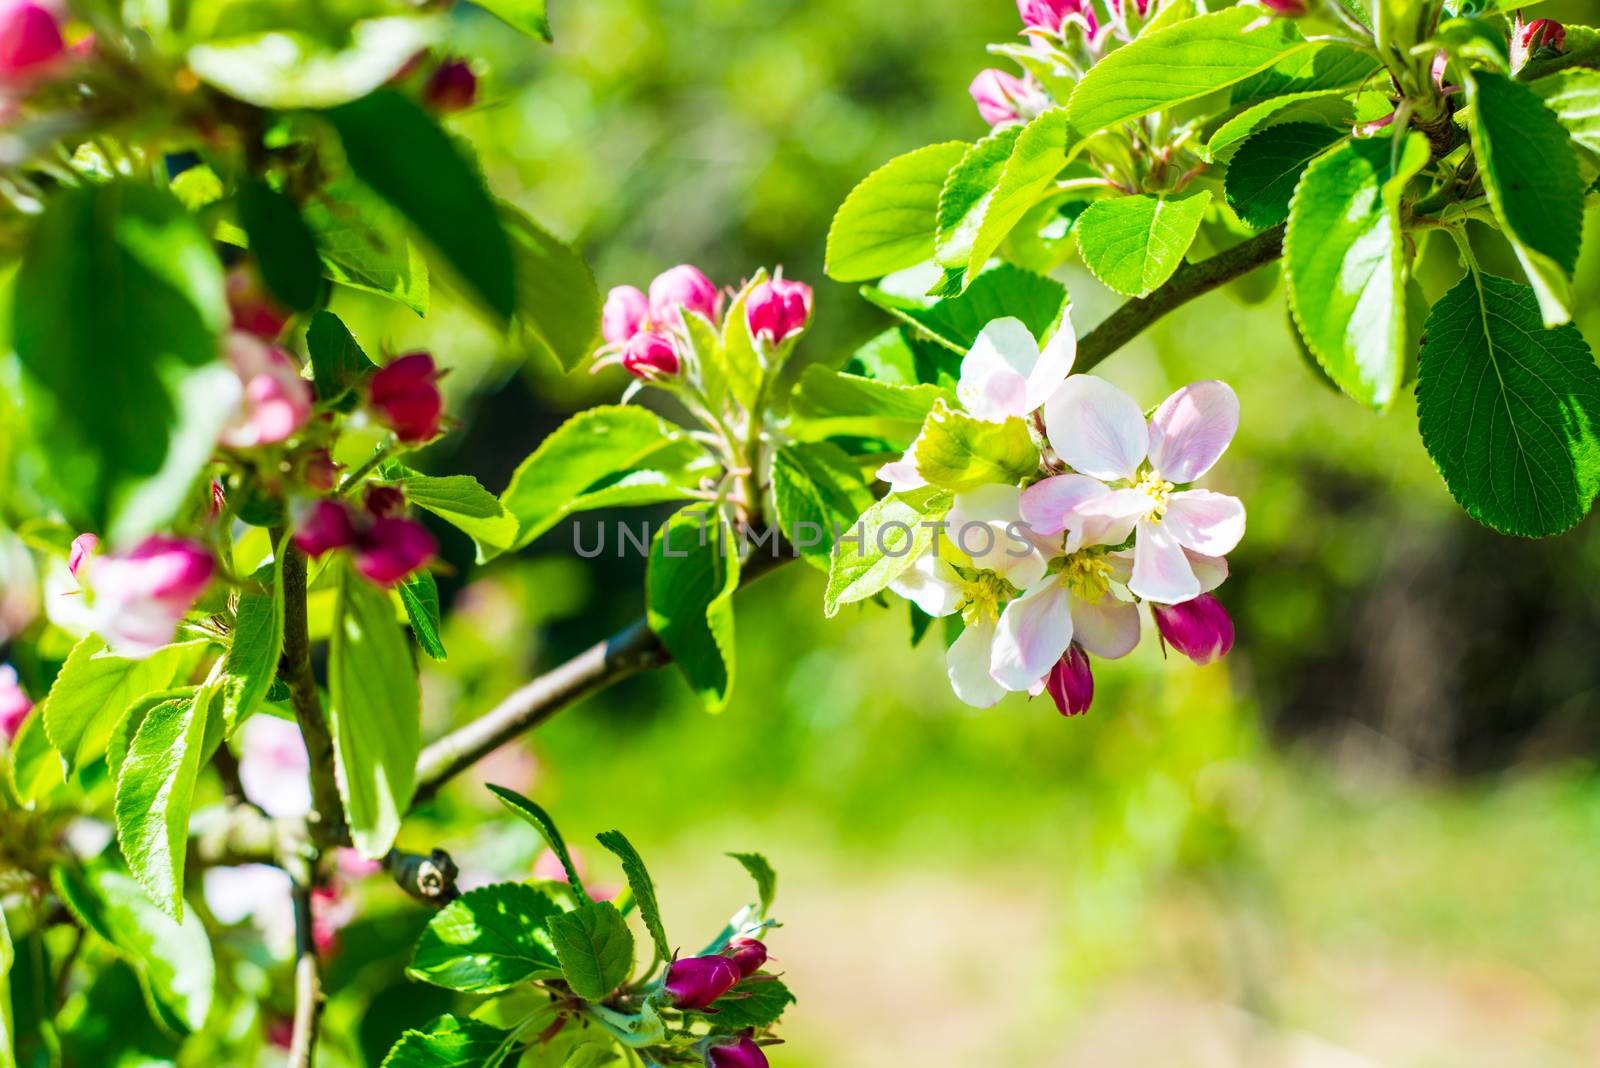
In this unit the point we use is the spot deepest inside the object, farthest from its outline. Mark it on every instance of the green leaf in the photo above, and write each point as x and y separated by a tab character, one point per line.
173	961
35	768
884	544
397	149
689	586
338	363
756	1002
155	792
94	689
831	403
602	457
283	246
1134	243
419	594
957	452
364	246
558	304
956	321
285	68
488	940
529	16
1346	264
120	288
541	821
123	734
761	871
897	357
1264	172
461	501
1320	66
818	490
7	1028
1029	177
966	194
1574	96
1530	172
887	222
1182	62
739	369
451	1042
255	645
1509	411
643	887
375	714
1331	108
595	948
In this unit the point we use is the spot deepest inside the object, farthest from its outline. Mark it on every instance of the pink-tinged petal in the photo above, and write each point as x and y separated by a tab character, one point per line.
83	547
1209	523
1191	430
967	664
1121	564
1161	571
1050	506
1096	428
902	474
1108	628
1035	629
930	584
1055	363
986	524
624	314
1212	571
994	372
1110	518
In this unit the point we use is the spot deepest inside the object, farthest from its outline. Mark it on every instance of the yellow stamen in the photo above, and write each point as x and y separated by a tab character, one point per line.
1156	489
981	597
1087	575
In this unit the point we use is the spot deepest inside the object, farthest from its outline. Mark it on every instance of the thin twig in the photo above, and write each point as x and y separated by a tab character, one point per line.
307	982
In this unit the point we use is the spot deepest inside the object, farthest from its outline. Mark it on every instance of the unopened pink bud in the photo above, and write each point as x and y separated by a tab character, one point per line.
326	527
384	500
1287	8
165	569
405	395
252	308
743	1053
1003	98
392	548
140	597
318	470
451	87
777	310
683	287
1528	40
650	355
30	38
1071	683
14	704
1200	628
748	954
695	982
624	315
83	547
277	400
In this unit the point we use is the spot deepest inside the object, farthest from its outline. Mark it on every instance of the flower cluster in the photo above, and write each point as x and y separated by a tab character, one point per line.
694	983
1052	569
384	545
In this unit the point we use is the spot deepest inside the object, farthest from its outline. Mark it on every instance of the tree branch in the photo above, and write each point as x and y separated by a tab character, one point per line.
307	982
327	811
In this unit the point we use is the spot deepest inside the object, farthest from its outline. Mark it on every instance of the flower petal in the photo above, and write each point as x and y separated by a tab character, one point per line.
902	474
930	584
1108	628
994	373
1109	519
1055	363
1209	523
967	664
1212	571
1048	507
1096	428
1035	629
1192	429
986	525
1161	571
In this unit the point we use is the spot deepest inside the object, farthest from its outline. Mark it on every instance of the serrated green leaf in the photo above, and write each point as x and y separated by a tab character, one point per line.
338	362
541	821
451	1042
689	586
251	664
897	357
35	767
739	371
461	501
488	940
285	68
1324	108
1028	178
419	595
595	948
1574	96
756	1002
532	17
1320	66
956	321
887	222
1345	263
966	194
364	245
766	879
558	304
956	452
883	544
1509	410
1134	243
283	246
834	404
643	887
1265	170
818	489
374	712
1530	172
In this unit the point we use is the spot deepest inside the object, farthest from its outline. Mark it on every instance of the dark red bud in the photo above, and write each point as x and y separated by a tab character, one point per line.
1200	629
405	396
451	87
695	982
384	500
1071	683
326	527
748	954
743	1053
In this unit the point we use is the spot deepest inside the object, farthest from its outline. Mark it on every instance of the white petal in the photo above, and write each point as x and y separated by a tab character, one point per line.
1192	429
1212	571
1096	428
1048	507
1109	519
1161	571
967	663
1055	363
986	525
902	474
1108	628
1035	629
930	584
1209	523
994	373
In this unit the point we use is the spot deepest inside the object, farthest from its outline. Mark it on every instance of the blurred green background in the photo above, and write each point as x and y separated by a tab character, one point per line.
1368	837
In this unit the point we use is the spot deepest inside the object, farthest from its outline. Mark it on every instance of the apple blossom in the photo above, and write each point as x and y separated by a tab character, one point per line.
651	355
1047	15
386	547
777	310
1072	605
1529	39
14	704
1003	98
30	38
83	547
626	312
136	599
1071	682
405	396
451	87
695	982
683	287
1005	373
252	308
276	400
1199	628
743	1053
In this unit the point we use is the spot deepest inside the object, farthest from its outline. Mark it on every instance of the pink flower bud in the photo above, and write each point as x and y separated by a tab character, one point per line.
695	982
392	548
141	596
277	400
1286	8
1531	39
777	310
451	87
650	355
405	396
624	315
1049	16
318	471
83	547
325	528
30	39
743	1053
1071	683
252	308
1003	98
14	704
748	954
1200	628
683	287
384	500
